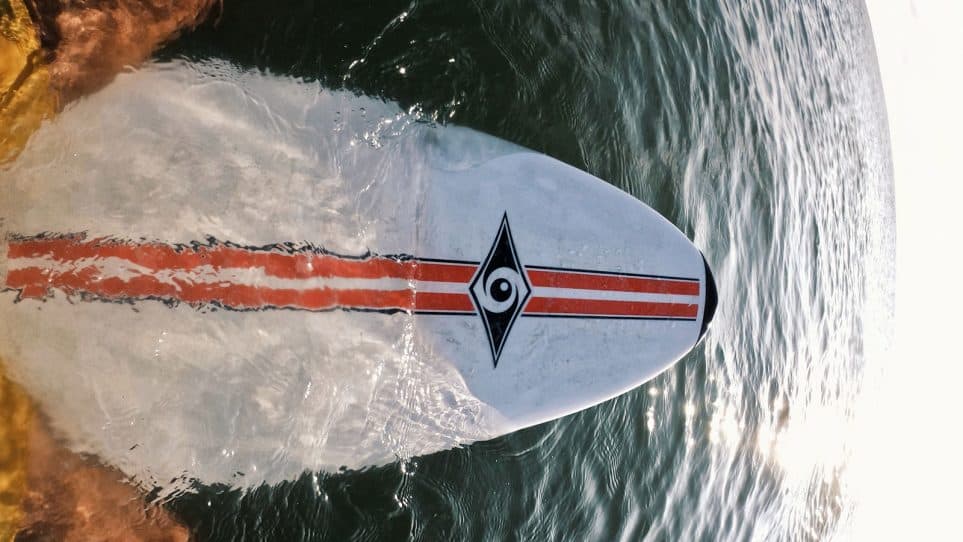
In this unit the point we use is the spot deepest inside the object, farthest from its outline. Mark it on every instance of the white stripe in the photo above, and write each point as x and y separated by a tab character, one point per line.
610	295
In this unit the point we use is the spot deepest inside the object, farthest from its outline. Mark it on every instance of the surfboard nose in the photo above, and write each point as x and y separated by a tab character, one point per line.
712	298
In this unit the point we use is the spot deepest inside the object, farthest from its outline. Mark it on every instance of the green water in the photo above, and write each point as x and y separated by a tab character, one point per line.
758	128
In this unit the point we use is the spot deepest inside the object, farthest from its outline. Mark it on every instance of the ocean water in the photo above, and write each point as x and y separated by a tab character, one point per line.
757	127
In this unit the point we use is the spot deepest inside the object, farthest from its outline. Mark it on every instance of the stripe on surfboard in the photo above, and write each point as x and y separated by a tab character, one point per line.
202	274
599	307
613	283
298	265
35	282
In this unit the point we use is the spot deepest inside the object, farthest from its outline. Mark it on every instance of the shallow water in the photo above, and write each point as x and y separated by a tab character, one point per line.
758	129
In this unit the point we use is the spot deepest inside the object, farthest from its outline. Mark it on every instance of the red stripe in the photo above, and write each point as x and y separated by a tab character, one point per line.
444	272
431	301
600	307
158	257
35	282
618	283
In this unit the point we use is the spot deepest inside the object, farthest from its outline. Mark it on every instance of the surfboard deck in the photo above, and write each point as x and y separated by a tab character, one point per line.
510	282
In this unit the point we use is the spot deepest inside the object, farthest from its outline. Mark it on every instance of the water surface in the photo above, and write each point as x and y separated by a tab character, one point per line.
758	128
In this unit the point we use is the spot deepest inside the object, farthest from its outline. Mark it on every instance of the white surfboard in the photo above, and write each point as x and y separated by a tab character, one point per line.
202	298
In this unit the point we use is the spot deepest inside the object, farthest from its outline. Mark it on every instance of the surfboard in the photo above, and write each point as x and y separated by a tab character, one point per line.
518	288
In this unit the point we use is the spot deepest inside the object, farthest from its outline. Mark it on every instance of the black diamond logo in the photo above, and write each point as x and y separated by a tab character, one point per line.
500	289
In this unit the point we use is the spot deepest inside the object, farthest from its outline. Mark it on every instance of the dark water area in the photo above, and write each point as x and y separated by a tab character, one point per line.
758	128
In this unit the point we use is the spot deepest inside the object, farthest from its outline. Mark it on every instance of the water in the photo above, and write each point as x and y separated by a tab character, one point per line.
758	129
